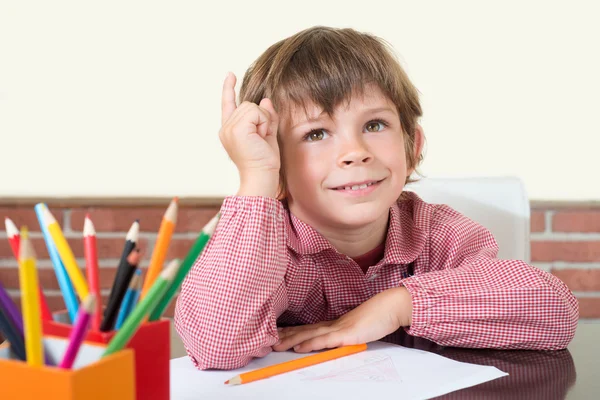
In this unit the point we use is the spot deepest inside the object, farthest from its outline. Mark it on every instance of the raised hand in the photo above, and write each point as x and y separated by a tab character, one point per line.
249	134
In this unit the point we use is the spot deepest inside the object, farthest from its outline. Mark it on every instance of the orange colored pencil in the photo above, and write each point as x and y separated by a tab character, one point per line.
14	238
165	232
292	365
91	268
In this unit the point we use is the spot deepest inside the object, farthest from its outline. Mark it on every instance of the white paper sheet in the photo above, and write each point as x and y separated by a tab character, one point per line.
383	371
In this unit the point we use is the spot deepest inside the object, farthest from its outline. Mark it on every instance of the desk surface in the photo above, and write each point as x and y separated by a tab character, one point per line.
568	374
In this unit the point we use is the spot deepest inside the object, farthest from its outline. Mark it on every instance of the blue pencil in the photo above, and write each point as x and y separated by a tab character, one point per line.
136	294
131	294
64	282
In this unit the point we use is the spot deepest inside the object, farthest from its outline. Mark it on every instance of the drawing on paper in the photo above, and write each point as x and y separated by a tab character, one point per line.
379	368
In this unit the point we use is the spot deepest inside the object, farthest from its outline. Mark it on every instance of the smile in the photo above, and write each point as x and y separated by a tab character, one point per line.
358	188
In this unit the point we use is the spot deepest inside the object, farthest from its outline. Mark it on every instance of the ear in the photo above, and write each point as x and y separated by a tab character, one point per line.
418	146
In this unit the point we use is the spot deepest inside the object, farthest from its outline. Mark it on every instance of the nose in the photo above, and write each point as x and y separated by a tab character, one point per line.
353	152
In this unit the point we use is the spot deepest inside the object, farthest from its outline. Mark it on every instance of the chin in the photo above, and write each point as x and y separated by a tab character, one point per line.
358	215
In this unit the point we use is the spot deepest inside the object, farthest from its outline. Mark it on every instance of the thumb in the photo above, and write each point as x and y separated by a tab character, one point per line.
267	104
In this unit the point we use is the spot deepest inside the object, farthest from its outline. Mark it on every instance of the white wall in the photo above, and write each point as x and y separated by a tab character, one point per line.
121	98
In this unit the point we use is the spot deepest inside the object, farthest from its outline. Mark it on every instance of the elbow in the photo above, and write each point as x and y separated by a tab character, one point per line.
214	348
560	323
566	322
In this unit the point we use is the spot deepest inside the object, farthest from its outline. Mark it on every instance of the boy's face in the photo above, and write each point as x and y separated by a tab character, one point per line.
347	170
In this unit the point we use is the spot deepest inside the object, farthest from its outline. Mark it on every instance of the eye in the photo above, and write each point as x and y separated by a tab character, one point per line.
375	126
315	135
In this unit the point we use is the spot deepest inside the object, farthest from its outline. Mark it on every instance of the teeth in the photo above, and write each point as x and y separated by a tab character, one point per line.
357	187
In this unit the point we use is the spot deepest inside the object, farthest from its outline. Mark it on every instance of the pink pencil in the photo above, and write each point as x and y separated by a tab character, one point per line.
79	330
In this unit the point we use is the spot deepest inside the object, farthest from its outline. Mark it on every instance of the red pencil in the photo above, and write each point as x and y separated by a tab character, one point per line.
14	238
91	268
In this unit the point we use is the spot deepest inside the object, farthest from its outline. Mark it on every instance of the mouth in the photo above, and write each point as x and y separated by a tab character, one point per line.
357	186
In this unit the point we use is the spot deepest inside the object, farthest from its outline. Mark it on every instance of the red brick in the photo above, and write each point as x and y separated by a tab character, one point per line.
119	219
5	249
107	248
538	221
580	280
26	216
576	221
179	248
589	307
547	251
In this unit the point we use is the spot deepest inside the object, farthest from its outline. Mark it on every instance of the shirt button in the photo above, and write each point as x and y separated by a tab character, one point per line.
372	277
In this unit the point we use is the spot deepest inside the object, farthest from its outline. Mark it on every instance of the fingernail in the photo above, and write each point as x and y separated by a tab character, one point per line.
296	348
278	342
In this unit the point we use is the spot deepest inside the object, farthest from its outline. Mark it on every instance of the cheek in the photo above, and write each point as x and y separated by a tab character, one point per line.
390	150
305	169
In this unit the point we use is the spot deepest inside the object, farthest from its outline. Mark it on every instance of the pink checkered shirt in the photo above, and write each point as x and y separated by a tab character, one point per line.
264	267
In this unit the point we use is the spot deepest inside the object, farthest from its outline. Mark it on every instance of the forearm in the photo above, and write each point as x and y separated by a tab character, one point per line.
489	303
226	312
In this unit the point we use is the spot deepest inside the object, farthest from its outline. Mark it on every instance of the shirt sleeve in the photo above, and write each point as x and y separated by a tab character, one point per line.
472	299
229	302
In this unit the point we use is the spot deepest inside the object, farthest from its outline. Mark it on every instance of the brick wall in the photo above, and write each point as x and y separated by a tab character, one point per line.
565	240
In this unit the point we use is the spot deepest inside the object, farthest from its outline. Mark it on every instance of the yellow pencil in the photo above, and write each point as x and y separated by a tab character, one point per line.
165	232
30	302
66	254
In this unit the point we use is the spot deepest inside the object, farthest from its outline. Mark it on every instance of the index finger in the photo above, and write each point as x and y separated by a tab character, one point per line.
228	105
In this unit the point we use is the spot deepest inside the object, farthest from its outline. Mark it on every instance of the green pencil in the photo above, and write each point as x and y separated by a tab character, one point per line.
134	320
186	265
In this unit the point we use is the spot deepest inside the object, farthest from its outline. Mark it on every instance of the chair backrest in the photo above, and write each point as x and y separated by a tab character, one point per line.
500	204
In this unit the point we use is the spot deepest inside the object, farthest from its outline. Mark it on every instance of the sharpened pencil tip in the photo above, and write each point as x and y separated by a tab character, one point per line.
11	228
227	382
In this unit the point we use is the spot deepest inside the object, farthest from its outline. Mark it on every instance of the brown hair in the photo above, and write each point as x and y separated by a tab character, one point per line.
327	66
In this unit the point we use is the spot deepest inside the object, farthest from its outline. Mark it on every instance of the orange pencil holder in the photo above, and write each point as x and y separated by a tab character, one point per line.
152	352
92	377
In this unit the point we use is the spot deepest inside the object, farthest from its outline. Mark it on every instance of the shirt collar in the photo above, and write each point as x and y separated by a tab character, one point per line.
406	237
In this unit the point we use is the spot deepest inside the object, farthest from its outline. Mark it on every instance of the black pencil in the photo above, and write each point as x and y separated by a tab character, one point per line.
130	243
17	343
114	304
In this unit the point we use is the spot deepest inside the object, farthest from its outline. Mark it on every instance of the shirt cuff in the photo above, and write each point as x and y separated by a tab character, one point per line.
421	304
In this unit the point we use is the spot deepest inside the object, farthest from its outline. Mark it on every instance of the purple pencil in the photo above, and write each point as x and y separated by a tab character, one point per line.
78	332
10	310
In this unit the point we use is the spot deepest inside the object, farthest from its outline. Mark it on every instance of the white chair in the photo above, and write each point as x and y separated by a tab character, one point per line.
499	204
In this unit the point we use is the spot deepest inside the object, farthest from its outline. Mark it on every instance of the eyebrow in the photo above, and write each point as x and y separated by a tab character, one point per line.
365	111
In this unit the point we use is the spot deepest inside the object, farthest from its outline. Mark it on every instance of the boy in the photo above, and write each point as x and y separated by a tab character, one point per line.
321	238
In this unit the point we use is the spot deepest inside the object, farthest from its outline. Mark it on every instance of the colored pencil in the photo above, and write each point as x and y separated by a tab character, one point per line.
131	240
112	309
293	365
163	240
136	295
145	306
65	252
186	265
91	267
79	331
128	299
11	310
64	282
14	316
17	345
14	239
30	303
